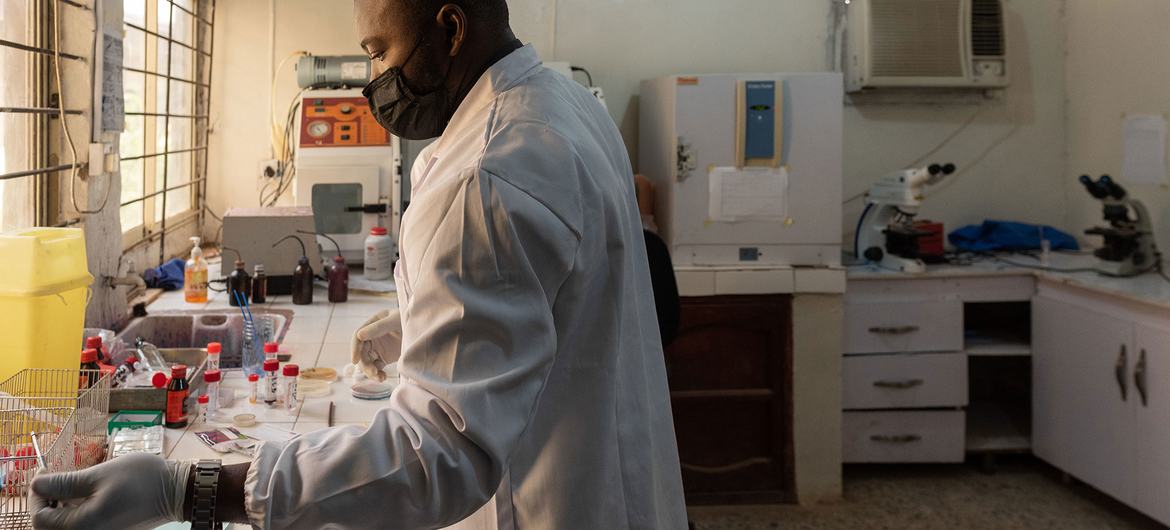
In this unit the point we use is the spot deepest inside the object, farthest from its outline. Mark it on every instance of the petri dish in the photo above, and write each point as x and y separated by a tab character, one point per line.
372	390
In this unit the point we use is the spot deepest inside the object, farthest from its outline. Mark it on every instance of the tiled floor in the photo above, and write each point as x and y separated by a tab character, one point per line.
1022	494
319	336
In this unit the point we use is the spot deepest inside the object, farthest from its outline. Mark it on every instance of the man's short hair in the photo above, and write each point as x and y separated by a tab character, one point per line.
492	12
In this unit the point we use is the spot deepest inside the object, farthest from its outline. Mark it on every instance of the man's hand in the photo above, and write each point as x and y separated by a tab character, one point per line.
378	343
133	491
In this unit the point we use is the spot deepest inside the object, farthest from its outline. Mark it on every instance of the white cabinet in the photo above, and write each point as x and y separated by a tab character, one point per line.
1082	418
1101	397
1152	435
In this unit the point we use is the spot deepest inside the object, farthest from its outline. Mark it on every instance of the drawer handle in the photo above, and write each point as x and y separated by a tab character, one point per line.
899	385
893	330
896	439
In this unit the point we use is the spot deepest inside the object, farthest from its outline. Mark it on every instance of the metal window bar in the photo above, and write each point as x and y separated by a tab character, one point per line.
76	4
40	171
37	49
166	38
187	11
52	111
205	32
162	243
164	153
156	74
161	192
169	115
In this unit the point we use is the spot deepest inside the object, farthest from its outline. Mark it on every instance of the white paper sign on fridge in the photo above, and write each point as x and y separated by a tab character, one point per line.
748	194
1144	156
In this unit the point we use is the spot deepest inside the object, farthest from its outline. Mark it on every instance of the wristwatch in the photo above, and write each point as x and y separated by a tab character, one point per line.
206	486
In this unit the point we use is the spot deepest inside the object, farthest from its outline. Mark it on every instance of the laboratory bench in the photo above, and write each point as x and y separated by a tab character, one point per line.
318	336
999	356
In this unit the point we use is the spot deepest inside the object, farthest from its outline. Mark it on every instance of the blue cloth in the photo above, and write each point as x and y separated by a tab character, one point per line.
168	277
994	236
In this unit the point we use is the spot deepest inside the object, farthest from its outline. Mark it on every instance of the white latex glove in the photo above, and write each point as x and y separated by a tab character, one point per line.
378	343
133	491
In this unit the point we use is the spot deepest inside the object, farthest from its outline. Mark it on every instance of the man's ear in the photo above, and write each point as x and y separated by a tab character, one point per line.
454	20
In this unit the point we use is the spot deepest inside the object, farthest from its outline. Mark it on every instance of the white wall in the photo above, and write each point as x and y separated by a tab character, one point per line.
1013	152
1116	65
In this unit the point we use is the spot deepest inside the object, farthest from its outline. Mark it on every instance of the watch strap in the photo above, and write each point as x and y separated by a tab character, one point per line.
206	488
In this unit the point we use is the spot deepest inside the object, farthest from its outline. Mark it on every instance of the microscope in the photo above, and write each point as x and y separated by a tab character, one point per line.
1129	248
886	234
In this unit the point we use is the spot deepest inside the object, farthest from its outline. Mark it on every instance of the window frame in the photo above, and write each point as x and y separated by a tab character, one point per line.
155	194
43	169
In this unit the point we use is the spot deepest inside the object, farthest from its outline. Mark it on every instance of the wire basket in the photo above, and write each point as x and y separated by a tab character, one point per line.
67	412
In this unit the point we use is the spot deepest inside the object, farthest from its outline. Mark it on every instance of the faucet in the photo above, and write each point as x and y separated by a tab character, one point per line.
132	278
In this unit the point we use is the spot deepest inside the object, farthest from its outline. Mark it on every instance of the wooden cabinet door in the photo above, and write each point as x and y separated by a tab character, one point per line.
1152	423
1081	422
730	373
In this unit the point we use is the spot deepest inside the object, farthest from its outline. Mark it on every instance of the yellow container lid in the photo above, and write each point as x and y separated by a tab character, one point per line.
42	261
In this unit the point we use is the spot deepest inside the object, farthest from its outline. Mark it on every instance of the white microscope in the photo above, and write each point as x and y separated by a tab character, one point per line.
885	234
1129	248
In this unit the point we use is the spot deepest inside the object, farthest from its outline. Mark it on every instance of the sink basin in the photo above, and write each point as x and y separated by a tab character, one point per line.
156	398
195	329
182	338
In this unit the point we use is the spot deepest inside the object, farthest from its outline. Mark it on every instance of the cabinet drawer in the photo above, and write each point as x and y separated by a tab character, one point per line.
905	381
904	327
913	436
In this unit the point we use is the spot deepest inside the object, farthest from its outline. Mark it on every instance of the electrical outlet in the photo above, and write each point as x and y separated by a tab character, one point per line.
271	169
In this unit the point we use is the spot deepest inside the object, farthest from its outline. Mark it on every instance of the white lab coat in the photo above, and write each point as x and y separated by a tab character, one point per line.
532	369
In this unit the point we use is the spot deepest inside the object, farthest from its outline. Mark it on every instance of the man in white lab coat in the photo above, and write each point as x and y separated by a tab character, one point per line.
533	389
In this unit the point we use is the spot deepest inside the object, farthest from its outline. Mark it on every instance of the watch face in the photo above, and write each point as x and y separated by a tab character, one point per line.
319	129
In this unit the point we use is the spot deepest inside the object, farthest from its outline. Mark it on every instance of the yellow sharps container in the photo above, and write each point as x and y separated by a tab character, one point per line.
44	284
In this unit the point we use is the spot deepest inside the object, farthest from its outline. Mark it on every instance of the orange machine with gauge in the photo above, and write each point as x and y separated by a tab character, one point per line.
340	122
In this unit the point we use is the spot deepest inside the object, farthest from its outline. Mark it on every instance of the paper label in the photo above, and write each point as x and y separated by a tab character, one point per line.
353	71
1144	157
176	406
748	194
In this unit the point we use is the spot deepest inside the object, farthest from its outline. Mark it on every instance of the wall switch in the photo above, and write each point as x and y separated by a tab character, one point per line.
271	169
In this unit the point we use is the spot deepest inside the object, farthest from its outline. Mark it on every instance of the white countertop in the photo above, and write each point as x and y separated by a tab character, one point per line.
318	336
1147	289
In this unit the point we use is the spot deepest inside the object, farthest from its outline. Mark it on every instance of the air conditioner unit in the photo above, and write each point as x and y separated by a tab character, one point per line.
926	43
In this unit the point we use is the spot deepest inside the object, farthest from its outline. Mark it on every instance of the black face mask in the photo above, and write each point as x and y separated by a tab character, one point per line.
402	112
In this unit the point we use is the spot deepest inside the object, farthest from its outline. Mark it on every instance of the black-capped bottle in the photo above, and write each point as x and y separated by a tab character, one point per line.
259	285
239	285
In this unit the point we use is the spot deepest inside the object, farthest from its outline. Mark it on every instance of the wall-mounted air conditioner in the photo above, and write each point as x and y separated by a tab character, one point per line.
926	43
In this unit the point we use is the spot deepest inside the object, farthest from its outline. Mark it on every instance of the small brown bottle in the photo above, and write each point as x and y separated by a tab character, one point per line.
259	286
176	413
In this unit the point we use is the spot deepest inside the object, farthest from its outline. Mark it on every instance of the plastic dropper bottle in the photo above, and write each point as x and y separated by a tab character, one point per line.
338	273
302	282
195	275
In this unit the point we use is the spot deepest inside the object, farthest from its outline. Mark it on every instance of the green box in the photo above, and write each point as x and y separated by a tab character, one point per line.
134	419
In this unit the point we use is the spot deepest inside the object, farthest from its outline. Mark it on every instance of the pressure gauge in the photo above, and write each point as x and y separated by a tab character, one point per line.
319	129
